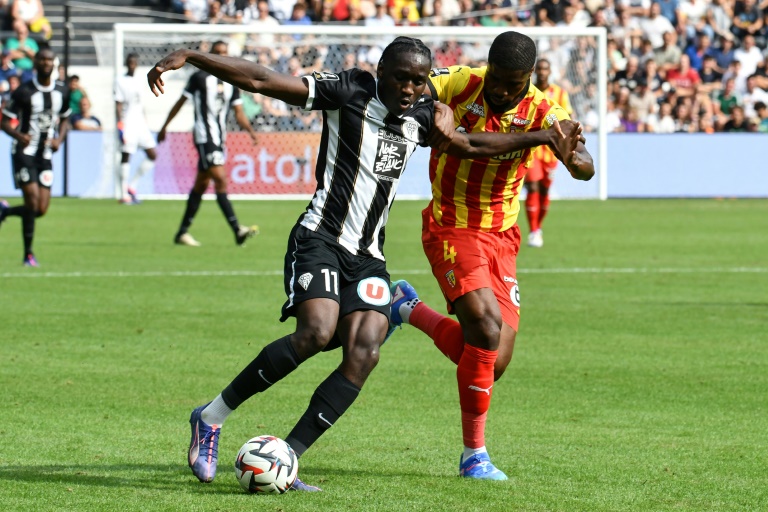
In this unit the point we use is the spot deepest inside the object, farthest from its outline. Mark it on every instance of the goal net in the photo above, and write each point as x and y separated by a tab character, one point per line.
281	164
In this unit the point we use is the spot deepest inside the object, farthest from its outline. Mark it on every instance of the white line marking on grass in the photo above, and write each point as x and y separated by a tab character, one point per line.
268	273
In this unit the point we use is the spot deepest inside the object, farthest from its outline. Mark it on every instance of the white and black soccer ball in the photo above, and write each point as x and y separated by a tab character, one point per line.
266	464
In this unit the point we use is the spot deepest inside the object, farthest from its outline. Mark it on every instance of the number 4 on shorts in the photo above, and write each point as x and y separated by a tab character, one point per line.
449	253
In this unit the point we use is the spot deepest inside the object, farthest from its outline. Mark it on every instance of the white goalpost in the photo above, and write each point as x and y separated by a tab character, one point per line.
281	165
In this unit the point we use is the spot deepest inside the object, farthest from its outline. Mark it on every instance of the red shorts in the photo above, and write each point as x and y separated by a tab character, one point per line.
541	171
464	260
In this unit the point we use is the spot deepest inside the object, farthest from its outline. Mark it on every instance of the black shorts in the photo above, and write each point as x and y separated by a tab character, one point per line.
31	169
319	268
211	155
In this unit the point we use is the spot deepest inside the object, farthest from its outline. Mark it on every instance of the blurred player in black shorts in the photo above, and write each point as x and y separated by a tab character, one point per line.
36	109
212	99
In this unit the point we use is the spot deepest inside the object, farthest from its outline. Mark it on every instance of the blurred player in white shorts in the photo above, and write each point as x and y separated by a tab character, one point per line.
133	130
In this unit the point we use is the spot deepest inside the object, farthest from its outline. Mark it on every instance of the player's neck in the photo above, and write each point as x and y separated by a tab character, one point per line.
44	81
542	86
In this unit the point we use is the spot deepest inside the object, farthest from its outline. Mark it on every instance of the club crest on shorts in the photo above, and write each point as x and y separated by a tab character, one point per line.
451	277
305	279
374	291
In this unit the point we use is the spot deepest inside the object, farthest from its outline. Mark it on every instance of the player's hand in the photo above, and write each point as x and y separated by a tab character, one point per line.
254	138
564	147
443	129
172	61
54	144
161	135
23	140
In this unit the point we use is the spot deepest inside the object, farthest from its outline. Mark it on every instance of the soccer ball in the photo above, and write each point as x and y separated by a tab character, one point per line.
266	464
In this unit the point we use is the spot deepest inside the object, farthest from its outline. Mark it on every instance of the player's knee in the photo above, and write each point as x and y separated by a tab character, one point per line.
363	355
483	332
311	339
40	212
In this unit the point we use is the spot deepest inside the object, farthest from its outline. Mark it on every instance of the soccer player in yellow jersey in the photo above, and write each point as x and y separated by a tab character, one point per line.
542	167
470	234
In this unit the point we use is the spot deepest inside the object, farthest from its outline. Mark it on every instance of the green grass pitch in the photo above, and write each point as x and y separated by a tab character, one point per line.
639	381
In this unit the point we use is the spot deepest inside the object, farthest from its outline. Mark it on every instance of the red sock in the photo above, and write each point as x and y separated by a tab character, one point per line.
532	207
543	208
445	332
475	378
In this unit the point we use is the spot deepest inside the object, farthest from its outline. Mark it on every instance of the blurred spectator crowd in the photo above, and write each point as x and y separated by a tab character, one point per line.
674	65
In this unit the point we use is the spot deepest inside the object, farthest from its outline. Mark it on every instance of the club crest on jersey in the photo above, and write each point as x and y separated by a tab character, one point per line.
476	109
411	130
451	277
305	279
374	291
324	75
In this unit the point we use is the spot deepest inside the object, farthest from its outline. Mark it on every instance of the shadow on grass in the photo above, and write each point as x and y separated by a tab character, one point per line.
165	477
145	476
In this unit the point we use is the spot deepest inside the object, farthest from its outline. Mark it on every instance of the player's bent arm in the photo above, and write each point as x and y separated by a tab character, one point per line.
241	73
5	125
580	164
174	110
484	145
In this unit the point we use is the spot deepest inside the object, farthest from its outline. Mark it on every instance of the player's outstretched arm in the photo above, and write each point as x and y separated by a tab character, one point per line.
241	73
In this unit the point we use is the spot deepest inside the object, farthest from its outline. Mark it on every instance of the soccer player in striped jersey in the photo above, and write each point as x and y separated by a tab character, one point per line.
469	231
212	100
37	110
538	179
335	274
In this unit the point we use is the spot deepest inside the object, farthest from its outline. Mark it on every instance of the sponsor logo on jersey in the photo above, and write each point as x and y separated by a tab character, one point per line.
512	155
519	121
476	109
550	119
374	291
451	277
439	71
390	156
305	279
324	75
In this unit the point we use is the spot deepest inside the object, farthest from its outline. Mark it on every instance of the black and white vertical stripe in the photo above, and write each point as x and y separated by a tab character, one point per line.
212	99
38	110
353	196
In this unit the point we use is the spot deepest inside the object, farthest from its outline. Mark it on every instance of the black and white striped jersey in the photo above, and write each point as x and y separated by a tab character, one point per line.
363	152
38	110
212	99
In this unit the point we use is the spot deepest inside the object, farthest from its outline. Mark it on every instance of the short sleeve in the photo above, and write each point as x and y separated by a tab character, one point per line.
236	98
445	83
566	103
425	117
331	91
65	111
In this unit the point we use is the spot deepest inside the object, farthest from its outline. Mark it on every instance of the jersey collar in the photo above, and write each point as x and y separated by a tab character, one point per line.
42	87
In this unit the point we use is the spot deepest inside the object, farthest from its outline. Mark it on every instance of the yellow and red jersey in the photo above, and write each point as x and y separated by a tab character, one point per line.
559	96
483	193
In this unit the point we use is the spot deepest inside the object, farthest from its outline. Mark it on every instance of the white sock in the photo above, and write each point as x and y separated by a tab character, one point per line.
468	452
125	171
216	412
406	308
143	169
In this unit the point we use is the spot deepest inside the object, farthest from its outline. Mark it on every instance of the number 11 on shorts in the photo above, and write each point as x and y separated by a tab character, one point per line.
331	274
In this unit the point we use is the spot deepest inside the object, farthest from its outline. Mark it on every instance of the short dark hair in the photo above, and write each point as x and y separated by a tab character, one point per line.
759	105
217	43
404	44
513	51
132	55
